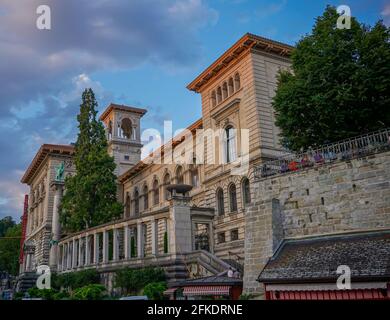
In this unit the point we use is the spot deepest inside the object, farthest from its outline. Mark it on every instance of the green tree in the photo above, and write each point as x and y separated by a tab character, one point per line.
9	250
5	224
90	196
339	85
155	290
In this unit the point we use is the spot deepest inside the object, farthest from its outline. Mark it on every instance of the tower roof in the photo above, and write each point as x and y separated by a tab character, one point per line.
121	107
244	44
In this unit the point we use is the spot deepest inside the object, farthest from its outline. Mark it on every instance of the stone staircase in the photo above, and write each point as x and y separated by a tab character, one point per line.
26	281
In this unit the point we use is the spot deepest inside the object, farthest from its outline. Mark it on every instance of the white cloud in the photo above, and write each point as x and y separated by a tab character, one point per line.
386	14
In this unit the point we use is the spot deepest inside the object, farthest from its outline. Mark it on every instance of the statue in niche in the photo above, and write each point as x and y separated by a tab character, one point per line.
60	172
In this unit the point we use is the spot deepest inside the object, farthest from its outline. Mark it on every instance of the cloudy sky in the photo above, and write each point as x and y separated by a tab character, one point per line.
136	52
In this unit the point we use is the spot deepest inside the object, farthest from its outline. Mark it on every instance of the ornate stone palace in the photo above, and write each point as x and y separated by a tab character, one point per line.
190	217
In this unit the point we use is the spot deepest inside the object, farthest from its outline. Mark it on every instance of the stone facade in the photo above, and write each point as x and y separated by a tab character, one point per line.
236	92
344	196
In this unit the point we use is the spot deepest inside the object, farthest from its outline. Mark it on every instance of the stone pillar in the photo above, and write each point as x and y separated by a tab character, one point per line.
115	245
69	259
74	254
55	224
63	267
80	246
179	231
96	248
126	239
87	250
140	246
105	246
263	227
154	230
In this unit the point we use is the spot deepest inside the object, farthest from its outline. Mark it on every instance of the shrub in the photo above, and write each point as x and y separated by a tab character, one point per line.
155	290
74	280
90	292
133	280
46	294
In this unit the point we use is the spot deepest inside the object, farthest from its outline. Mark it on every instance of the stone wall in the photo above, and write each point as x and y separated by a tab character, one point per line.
332	198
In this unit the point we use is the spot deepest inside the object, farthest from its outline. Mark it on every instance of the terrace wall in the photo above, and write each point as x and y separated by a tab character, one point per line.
340	196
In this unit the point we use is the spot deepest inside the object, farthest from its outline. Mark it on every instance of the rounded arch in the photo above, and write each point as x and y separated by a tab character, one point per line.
166	182
219	94
136	201
230	86
127	205
237	82
156	192
224	90
246	191
220	201
126	128
179	174
232	190
145	194
230	152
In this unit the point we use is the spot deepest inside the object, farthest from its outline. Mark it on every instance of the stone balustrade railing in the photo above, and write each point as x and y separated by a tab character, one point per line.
120	242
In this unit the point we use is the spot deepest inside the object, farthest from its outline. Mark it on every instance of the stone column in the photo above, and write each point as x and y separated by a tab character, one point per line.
96	248
126	240
179	231
140	246
74	254
154	230
87	250
80	246
63	267
105	246
69	259
115	245
55	224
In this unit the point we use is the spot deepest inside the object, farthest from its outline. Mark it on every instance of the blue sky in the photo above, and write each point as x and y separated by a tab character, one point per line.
140	53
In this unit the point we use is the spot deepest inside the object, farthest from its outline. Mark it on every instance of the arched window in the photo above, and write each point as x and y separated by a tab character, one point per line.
219	94
237	82
127	205
194	177
224	90
109	129
213	98
179	175
156	193
233	198
167	181
146	197
230	86
230	144
126	128
136	202
220	202
246	192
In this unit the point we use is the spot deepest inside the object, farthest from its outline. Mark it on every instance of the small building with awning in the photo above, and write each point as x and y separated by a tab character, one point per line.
306	269
213	287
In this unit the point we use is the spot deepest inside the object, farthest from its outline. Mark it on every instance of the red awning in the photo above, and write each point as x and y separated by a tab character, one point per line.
206	290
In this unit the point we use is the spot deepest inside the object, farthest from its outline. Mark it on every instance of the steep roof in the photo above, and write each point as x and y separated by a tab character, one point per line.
40	156
244	44
317	259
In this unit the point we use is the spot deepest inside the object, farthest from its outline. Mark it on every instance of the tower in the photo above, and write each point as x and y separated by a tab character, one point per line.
122	125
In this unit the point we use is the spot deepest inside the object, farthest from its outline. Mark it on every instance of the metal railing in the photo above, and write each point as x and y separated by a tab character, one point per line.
347	149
